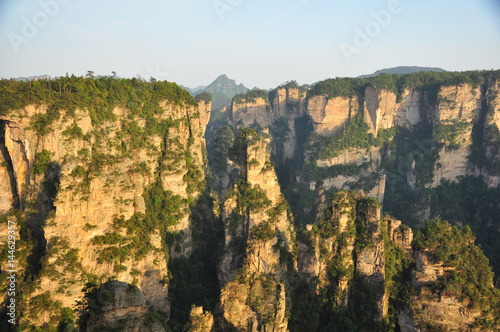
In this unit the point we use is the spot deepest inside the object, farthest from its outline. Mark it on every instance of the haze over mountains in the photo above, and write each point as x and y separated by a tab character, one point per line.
223	89
296	209
404	70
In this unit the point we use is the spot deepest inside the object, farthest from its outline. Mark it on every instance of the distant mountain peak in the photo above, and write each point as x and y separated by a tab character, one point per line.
226	86
222	89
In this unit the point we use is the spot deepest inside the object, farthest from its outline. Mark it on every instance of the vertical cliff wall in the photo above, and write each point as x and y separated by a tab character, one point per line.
259	242
107	182
105	198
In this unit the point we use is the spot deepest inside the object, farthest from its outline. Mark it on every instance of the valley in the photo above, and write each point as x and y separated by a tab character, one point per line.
353	204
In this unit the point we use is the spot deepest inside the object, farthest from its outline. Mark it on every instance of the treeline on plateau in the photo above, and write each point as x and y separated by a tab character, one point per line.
431	82
99	95
105	93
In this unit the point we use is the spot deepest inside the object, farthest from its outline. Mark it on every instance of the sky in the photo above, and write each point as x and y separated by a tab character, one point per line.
258	43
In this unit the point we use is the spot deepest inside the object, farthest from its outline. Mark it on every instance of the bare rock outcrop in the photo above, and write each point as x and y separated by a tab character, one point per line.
104	170
258	240
121	306
330	114
6	193
200	321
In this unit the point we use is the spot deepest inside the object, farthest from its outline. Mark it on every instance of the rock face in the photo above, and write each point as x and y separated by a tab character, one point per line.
453	163
443	255
450	119
458	103
20	150
352	249
382	110
370	178
400	234
329	115
338	250
103	173
116	196
199	321
370	259
430	309
457	107
255	218
288	107
205	111
121	306
491	99
249	113
6	193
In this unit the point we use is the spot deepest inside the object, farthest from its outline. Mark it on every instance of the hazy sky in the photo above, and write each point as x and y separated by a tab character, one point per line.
256	42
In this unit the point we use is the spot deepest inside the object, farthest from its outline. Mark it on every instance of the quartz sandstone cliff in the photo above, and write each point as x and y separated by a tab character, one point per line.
258	238
102	174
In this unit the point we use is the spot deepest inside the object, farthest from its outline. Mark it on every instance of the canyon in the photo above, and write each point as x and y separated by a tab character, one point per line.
295	209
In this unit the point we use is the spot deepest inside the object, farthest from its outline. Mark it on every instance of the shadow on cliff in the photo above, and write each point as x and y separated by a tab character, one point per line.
194	278
39	208
10	167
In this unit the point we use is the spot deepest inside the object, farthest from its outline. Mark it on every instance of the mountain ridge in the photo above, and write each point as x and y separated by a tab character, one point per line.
275	230
222	89
403	70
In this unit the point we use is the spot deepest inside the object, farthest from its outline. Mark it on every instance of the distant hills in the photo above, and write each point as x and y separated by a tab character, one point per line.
403	70
223	89
225	86
34	78
195	90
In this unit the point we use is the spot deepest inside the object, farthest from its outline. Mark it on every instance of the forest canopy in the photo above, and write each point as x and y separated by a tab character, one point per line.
100	94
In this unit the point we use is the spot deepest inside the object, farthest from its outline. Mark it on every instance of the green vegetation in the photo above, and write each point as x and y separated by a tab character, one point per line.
239	150
44	303
99	96
60	259
251	96
67	321
163	210
493	142
398	272
249	200
193	279
262	232
73	132
429	82
366	221
486	148
311	171
204	96
471	202
194	175
354	135
450	132
141	168
220	100
472	279
219	157
326	311
42	161
26	246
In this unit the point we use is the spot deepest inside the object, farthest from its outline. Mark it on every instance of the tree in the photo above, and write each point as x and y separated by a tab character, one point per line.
90	74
